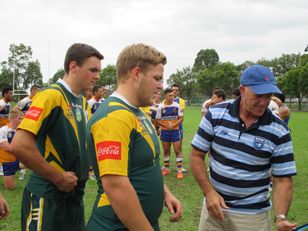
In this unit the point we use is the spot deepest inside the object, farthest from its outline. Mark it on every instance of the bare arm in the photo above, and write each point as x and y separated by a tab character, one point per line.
6	146
214	202
4	208
282	197
173	205
132	216
24	148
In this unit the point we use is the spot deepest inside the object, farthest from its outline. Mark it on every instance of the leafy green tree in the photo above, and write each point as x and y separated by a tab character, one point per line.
6	75
26	70
295	83
224	75
187	80
33	73
284	63
244	65
58	75
108	78
207	58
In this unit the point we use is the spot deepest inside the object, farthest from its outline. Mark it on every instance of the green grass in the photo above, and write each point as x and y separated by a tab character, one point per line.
186	190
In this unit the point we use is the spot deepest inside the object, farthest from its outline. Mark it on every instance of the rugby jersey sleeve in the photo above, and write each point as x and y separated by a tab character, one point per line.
204	136
182	103
158	112
3	134
111	136
22	103
37	118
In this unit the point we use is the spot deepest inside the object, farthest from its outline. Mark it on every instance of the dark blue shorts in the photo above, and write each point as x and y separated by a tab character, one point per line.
170	136
10	168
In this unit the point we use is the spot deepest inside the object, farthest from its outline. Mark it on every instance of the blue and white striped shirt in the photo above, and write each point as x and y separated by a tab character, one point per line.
241	157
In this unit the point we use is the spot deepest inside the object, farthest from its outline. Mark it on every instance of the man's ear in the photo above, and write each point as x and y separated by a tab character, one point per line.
136	71
73	66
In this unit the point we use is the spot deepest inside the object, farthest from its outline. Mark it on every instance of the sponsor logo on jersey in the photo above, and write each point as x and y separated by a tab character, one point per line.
108	150
34	113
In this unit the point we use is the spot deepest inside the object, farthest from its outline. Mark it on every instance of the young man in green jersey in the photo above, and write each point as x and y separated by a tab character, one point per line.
51	141
124	149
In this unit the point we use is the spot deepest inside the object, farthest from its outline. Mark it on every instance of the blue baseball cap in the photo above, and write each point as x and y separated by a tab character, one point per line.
260	79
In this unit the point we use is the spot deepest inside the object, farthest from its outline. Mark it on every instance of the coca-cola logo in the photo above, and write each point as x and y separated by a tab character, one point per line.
33	113
108	150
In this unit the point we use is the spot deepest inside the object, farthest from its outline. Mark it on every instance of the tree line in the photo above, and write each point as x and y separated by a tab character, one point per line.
207	72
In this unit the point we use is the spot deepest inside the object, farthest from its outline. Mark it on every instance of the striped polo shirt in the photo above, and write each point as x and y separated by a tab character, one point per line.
241	158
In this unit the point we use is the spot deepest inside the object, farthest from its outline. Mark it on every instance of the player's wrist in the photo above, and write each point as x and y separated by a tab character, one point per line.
279	217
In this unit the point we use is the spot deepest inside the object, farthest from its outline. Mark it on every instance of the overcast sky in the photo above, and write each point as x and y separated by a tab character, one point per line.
238	30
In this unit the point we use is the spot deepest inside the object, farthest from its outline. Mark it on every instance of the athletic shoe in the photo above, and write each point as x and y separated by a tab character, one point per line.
180	175
165	172
21	176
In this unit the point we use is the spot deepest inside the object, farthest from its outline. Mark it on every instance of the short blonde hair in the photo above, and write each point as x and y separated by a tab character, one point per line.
138	55
15	113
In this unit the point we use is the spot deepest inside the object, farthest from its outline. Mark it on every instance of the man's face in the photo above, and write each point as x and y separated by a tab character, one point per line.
99	93
277	100
35	91
17	120
88	93
88	73
176	91
8	96
151	83
254	104
216	99
169	97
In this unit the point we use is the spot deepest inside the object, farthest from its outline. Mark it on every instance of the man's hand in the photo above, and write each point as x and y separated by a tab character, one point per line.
284	226
67	182
173	205
214	203
4	208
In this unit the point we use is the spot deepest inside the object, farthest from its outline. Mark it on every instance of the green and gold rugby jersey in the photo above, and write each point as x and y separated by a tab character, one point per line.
122	141
58	120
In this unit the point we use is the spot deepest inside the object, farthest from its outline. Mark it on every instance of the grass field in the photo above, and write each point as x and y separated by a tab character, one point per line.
186	190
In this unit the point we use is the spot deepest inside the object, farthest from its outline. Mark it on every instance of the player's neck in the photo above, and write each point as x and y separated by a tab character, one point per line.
128	94
72	84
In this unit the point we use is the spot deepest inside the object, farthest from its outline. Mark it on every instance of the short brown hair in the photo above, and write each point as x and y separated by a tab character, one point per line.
138	55
79	52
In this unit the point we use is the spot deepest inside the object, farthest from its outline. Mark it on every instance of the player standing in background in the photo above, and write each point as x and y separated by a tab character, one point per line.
5	106
97	98
25	103
8	161
169	116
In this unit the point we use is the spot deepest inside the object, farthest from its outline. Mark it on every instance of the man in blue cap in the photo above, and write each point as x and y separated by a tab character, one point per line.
245	140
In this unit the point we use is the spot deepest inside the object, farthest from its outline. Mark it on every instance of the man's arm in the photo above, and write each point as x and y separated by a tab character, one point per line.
214	202
6	146
173	205
282	197
132	216
4	208
24	149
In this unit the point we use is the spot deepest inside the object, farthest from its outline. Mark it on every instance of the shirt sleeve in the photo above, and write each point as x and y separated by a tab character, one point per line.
36	118
112	142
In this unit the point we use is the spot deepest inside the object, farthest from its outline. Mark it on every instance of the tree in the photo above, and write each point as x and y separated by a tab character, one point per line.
25	69
187	80
295	83
6	75
58	75
207	58
108	78
34	75
223	75
284	63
